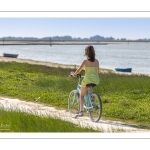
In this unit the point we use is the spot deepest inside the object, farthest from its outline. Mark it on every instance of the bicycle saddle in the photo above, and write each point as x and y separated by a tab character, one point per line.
90	85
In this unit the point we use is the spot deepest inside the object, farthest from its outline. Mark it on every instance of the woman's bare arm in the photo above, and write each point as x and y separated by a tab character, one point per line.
80	68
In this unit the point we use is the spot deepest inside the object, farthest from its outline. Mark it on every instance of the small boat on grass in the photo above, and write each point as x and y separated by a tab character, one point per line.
10	55
123	69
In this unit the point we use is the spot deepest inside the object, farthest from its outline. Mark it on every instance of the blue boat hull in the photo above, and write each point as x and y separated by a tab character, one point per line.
124	69
10	55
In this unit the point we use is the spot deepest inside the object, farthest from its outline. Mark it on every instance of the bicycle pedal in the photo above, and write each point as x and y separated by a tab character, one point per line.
95	106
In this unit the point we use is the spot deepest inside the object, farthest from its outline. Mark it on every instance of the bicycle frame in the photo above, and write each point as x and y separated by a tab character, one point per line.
87	99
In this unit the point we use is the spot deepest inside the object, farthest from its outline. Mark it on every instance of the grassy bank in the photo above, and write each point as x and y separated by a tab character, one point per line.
16	121
125	98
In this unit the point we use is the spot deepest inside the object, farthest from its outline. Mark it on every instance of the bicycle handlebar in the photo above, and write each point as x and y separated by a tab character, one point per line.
78	75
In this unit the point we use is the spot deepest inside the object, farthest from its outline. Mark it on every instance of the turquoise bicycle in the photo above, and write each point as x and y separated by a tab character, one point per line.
92	102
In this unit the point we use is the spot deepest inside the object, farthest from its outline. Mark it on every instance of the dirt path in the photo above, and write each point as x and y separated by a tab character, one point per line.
41	109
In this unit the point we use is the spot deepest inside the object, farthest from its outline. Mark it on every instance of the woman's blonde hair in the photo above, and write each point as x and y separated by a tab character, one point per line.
90	52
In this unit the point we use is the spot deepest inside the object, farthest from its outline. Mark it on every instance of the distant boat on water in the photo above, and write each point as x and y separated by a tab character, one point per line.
10	55
123	69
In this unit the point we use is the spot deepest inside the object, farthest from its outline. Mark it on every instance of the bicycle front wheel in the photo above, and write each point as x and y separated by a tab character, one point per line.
73	103
95	112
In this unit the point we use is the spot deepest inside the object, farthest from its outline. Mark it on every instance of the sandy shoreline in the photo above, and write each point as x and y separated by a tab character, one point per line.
65	42
29	61
51	64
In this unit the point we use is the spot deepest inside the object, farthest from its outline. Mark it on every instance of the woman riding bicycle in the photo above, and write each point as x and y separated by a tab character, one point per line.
91	67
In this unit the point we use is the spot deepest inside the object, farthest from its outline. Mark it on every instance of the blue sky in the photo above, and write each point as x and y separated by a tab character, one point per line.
129	28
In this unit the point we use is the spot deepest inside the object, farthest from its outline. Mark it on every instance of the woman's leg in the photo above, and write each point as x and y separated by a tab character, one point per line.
83	92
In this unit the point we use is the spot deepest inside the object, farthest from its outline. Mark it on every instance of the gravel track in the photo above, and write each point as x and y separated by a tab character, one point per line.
41	109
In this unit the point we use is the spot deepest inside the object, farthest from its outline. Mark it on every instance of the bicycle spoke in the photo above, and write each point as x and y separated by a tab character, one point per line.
96	111
73	104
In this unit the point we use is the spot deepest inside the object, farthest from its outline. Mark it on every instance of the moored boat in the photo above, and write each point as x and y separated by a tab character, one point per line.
124	69
10	55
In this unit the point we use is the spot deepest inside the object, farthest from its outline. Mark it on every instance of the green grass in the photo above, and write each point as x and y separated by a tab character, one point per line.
16	121
125	98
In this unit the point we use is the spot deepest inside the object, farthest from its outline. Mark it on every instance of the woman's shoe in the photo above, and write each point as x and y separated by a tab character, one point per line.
79	113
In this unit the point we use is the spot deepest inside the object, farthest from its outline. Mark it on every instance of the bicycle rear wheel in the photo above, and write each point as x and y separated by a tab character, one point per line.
73	103
95	112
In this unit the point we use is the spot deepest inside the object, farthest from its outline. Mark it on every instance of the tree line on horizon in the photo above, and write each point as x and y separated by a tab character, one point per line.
69	38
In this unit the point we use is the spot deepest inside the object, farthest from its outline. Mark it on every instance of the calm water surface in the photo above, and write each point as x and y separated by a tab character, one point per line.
135	56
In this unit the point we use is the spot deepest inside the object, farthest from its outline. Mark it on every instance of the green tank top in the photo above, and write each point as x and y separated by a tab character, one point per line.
91	76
